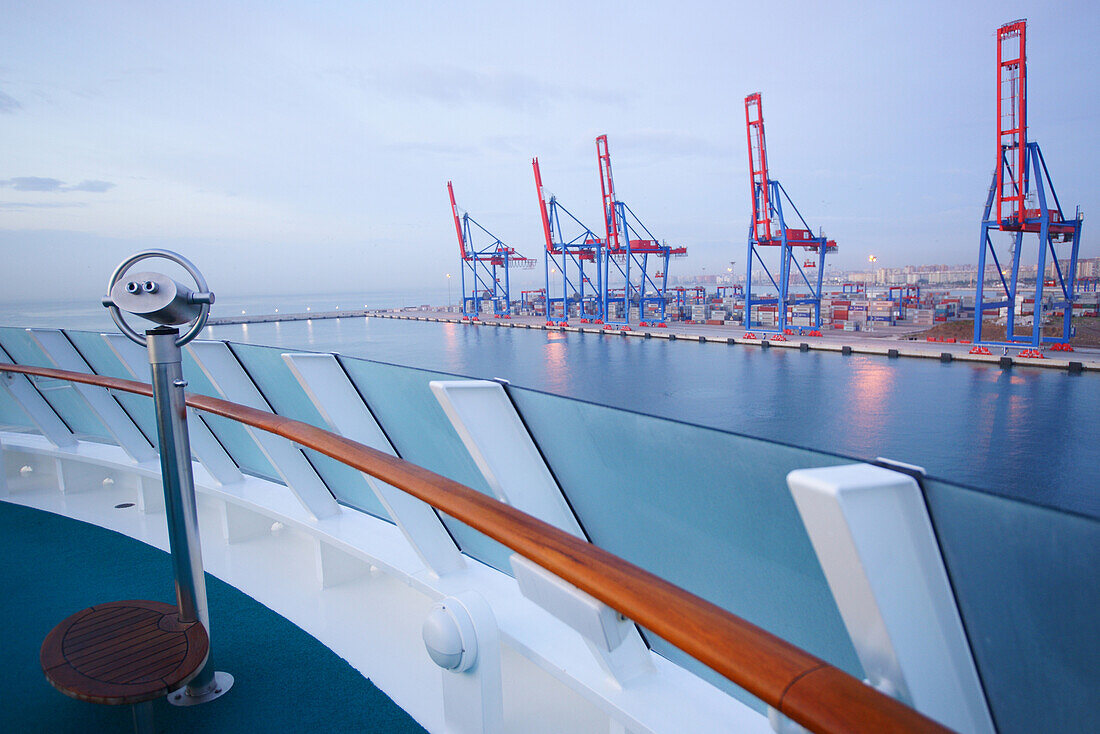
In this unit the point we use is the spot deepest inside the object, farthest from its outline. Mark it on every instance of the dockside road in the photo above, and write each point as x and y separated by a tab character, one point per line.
889	342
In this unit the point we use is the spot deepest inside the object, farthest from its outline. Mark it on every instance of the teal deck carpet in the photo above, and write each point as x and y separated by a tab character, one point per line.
286	681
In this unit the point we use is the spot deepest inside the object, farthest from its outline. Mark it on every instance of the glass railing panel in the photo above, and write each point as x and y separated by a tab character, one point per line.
651	489
233	436
286	397
104	361
1025	578
62	396
408	412
12	415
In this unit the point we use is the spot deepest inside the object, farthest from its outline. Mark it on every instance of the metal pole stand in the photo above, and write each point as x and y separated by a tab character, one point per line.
162	300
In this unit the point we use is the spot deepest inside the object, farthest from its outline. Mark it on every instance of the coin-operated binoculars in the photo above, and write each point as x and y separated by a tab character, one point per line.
160	299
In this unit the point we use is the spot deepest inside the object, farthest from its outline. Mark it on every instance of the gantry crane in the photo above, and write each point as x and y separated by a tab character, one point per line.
634	264
1022	200
483	266
569	255
769	229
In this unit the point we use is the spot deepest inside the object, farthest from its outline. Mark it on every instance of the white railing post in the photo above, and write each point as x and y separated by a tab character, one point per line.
228	377
871	532
612	639
121	427
503	450
38	410
204	444
506	455
343	409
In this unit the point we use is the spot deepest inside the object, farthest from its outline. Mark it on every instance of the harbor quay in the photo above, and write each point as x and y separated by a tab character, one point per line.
887	341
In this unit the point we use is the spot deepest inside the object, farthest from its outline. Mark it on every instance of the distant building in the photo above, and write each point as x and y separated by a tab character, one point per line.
1086	268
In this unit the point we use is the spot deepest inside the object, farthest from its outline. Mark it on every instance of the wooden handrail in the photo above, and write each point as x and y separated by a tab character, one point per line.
803	687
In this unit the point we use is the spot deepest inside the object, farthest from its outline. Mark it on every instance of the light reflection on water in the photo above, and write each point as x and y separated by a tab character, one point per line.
871	398
1023	432
557	376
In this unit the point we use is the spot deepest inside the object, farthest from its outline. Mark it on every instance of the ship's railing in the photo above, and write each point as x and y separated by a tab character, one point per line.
797	684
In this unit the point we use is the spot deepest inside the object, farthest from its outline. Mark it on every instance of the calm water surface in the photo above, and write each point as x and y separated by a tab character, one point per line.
1029	433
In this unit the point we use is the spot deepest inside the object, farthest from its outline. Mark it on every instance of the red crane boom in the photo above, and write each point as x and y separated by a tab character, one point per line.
758	168
607	186
542	208
1011	121
458	224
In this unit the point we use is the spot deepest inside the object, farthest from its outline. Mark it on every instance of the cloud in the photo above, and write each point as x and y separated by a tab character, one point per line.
53	185
34	183
8	103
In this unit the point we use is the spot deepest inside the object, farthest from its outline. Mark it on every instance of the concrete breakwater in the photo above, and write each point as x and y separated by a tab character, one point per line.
894	344
273	317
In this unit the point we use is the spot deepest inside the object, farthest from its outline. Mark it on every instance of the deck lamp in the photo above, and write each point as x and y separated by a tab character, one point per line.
168	304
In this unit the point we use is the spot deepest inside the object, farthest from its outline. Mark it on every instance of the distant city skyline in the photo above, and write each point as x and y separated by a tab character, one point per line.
302	147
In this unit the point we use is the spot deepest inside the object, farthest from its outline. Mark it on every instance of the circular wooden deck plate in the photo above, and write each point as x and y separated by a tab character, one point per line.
123	652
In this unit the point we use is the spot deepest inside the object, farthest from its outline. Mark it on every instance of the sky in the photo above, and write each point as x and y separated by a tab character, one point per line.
305	146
